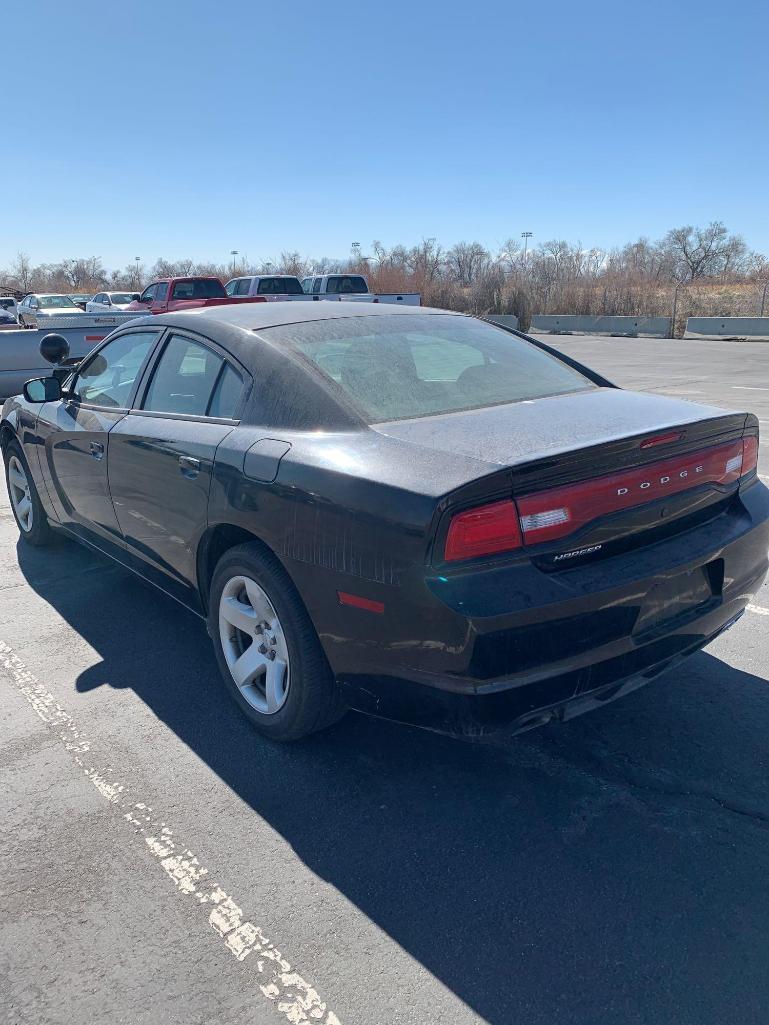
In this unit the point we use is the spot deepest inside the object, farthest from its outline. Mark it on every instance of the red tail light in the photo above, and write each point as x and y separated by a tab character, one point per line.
554	514
550	515
749	454
483	531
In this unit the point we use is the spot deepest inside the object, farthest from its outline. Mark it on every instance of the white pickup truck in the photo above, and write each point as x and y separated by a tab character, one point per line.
338	287
353	288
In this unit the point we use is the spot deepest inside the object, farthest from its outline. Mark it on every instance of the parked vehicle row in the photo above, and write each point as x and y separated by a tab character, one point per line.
409	512
167	294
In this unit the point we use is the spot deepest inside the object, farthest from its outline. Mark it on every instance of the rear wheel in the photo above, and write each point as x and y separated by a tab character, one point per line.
25	502
267	648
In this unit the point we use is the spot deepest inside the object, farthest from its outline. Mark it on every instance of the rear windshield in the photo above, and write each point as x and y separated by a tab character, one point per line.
55	301
395	368
208	288
279	286
347	284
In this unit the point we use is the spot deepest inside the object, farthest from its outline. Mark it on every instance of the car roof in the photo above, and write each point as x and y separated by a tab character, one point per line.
256	316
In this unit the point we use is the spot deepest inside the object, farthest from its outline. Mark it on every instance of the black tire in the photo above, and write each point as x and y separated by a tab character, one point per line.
40	533
313	700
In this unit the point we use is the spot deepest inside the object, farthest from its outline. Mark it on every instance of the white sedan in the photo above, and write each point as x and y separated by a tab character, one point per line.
109	302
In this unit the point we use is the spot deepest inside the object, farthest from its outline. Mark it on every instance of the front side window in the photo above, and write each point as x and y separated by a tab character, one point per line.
316	286
184	379
118	298
243	286
148	294
161	291
399	367
108	377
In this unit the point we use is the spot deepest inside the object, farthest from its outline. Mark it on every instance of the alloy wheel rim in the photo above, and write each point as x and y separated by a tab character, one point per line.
254	645
21	498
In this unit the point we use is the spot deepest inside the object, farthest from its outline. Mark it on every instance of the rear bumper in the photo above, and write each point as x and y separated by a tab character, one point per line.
551	660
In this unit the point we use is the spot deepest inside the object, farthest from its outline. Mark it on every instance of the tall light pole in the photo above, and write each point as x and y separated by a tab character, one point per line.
526	235
233	254
137	259
356	249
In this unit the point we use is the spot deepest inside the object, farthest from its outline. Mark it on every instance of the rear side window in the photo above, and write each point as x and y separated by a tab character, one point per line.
226	397
184	378
346	284
190	379
207	288
399	367
279	286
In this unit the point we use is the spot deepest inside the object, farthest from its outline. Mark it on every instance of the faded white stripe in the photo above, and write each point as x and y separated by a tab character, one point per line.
759	609
281	984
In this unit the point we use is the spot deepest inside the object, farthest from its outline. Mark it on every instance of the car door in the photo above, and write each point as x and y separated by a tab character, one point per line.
161	457
74	433
32	307
160	302
148	296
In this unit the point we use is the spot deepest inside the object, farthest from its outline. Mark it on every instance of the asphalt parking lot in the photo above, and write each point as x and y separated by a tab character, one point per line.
161	863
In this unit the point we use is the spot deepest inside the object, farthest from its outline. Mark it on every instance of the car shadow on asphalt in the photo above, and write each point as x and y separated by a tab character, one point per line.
609	870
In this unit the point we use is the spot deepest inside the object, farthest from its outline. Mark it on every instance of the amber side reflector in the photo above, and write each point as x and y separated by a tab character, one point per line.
359	602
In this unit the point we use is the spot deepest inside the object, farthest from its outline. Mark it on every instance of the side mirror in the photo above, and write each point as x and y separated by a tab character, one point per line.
42	389
54	349
135	297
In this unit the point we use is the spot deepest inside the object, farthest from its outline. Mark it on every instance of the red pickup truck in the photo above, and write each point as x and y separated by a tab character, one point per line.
185	294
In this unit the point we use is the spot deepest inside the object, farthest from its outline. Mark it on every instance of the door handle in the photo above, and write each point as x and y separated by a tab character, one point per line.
97	450
189	466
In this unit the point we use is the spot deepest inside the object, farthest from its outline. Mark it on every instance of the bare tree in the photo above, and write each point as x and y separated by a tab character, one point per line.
21	272
466	260
701	252
510	254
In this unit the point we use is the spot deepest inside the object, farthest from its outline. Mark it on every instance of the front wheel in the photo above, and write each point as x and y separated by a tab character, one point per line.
267	648
25	502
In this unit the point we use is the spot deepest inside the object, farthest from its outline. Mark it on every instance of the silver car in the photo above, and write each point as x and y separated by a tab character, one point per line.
109	302
35	308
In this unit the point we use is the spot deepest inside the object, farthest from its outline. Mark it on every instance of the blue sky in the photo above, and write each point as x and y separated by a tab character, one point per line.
186	128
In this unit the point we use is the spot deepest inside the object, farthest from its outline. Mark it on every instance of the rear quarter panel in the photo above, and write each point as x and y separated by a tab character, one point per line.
346	513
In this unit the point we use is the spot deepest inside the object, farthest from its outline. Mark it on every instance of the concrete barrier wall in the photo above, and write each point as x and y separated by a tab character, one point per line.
631	327
728	327
504	320
20	357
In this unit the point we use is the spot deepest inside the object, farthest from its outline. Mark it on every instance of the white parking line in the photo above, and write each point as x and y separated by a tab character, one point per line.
277	980
759	609
749	387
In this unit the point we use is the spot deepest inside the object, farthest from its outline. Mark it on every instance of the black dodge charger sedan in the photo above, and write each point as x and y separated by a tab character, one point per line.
409	512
